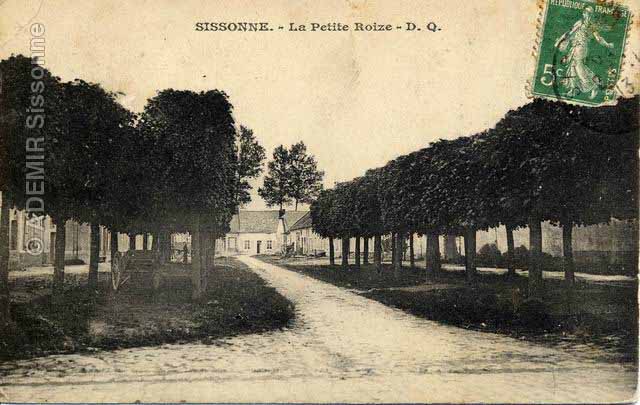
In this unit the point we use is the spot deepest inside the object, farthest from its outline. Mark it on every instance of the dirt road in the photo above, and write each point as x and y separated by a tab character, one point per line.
342	348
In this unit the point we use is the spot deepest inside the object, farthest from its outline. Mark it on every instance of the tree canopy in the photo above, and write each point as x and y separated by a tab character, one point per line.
250	157
292	177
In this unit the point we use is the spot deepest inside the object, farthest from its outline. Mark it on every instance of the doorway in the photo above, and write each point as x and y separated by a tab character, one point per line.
258	244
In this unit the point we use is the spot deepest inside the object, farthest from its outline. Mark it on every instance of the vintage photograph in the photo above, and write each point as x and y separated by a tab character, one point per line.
340	201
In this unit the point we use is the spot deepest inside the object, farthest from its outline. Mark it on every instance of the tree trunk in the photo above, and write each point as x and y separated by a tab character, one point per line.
145	241
168	246
58	262
212	260
433	255
535	270
403	256
365	253
393	249
114	246
213	256
296	205
377	251
511	266
345	252
154	241
75	241
196	263
132	241
165	247
470	253
567	249
450	251
205	248
357	252
5	300
161	249
94	256
332	252
412	258
397	265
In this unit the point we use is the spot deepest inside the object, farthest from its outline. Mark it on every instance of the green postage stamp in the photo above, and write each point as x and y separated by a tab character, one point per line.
580	51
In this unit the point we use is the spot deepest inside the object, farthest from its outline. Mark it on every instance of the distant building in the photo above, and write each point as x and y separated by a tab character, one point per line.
305	240
41	231
308	243
259	232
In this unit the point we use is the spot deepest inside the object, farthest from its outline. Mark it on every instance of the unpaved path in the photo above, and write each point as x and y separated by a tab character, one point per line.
341	348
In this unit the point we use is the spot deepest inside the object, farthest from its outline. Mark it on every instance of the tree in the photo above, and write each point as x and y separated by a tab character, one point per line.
98	125
393	205
292	177
250	157
129	197
275	188
514	156
344	219
592	172
323	219
305	181
544	161
366	213
193	141
26	87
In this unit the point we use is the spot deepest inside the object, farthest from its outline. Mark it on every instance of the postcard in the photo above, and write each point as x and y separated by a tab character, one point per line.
340	201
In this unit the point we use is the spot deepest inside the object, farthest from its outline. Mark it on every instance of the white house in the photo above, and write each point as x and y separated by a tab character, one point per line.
259	232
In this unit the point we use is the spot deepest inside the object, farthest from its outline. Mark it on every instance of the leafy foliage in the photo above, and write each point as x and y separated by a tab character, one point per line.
193	161
545	160
250	157
98	127
292	177
29	109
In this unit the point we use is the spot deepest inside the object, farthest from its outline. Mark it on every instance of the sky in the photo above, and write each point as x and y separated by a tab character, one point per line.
357	99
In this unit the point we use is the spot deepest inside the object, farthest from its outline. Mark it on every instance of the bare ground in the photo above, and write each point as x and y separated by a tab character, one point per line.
342	347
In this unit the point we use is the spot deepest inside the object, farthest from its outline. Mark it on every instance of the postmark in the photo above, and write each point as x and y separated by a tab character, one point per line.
580	51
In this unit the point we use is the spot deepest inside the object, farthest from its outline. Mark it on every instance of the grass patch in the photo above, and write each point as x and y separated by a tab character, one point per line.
362	279
237	301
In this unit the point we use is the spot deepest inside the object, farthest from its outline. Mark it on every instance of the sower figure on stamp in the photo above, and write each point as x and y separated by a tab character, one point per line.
579	78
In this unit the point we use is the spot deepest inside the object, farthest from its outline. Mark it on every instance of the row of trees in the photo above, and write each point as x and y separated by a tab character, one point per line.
181	165
545	161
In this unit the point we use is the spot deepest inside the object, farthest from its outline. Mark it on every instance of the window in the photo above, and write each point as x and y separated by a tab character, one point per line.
247	244
269	244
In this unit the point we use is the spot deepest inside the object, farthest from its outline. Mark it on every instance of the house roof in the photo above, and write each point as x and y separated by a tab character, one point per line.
303	222
262	221
292	217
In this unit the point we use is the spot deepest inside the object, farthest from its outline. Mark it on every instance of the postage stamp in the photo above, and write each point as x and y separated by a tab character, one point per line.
580	51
